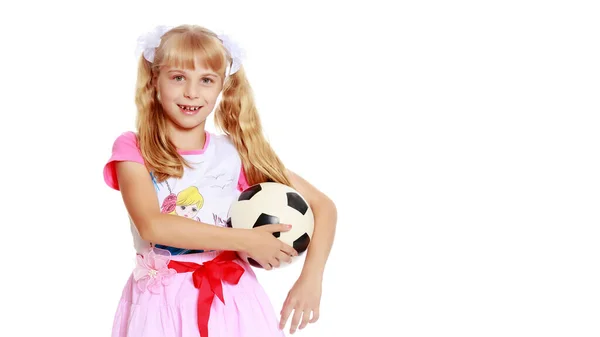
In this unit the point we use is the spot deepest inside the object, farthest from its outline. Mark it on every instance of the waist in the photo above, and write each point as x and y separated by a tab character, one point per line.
198	258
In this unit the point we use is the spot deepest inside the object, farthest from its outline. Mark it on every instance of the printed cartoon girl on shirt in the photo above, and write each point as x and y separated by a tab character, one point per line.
186	203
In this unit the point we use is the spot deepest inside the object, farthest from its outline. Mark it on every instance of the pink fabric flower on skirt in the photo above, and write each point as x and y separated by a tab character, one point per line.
152	271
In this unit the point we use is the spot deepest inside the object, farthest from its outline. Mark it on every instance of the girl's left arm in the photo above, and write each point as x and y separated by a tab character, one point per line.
325	214
305	296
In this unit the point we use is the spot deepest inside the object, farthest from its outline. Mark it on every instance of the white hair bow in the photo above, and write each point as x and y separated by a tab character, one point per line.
148	42
236	53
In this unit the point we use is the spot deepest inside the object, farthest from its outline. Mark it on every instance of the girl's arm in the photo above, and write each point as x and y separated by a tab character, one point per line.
141	203
305	296
325	213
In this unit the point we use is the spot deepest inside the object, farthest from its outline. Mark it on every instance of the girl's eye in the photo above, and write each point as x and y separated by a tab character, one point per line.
205	80
182	208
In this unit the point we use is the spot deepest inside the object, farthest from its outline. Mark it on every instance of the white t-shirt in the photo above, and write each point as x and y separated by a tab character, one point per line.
204	193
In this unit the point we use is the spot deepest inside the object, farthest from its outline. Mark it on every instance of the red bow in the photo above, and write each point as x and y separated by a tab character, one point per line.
207	277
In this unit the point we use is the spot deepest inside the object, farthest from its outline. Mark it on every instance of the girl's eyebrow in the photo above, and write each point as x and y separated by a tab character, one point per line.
183	71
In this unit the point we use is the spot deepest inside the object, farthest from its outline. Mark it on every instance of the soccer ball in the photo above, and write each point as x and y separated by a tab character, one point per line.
274	203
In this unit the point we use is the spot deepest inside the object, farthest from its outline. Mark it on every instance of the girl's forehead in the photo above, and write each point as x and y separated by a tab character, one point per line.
196	62
198	65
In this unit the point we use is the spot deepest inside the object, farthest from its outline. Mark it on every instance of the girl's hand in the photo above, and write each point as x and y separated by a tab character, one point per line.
304	298
268	250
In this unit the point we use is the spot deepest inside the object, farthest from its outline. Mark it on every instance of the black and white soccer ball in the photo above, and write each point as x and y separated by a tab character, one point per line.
274	203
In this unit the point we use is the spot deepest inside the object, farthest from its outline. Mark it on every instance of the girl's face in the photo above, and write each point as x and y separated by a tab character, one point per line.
188	96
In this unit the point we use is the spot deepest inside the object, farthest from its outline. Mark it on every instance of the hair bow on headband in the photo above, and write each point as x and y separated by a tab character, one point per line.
148	42
236	53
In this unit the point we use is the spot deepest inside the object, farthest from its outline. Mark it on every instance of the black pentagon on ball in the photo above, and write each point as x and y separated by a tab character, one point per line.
228	223
301	243
266	219
248	193
295	201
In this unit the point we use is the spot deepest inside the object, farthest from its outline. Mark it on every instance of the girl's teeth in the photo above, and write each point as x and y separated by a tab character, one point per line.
190	108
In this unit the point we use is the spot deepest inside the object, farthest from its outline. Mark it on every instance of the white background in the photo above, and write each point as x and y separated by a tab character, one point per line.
459	140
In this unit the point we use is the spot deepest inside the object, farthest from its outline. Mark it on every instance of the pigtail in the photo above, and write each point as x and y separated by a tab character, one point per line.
238	117
159	154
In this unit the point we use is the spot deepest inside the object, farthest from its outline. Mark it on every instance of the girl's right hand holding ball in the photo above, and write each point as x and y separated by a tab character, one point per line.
266	249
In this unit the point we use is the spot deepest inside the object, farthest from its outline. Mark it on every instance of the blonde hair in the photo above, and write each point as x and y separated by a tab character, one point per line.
188	197
236	115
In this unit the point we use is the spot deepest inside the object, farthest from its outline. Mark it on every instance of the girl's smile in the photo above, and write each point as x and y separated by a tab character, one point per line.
189	110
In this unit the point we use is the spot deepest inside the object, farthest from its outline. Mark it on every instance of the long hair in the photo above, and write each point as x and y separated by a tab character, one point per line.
236	115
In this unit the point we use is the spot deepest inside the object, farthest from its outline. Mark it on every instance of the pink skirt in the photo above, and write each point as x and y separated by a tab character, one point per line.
159	302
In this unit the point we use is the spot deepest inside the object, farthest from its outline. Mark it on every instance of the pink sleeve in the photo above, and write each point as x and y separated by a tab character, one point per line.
242	181
125	148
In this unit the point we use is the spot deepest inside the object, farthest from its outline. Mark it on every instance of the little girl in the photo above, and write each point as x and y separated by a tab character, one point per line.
177	182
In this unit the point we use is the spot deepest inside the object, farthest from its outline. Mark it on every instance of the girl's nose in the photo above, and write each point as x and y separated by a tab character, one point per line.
191	92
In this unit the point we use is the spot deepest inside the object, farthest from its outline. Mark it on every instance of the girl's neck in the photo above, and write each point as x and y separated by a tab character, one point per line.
188	140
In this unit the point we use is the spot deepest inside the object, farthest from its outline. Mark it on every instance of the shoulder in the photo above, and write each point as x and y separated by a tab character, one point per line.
225	149
126	141
221	140
223	145
124	148
242	181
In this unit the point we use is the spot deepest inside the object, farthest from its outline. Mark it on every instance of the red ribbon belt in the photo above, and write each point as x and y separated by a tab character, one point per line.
208	277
